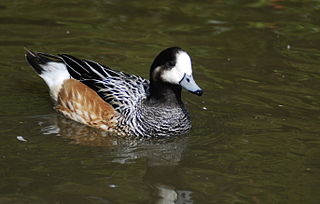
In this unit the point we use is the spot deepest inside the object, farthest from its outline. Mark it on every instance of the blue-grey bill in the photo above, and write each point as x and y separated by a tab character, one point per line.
188	83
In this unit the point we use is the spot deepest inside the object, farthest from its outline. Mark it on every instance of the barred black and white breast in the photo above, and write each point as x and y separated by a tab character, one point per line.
101	97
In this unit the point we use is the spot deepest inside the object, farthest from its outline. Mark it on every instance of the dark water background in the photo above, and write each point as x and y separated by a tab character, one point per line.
255	136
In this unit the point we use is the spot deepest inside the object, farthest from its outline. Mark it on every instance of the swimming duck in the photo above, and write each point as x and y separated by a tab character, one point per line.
98	96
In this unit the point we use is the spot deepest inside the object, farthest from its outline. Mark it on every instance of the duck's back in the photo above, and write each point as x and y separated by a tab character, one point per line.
121	90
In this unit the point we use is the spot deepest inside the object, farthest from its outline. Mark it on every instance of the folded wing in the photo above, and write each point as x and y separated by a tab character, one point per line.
119	89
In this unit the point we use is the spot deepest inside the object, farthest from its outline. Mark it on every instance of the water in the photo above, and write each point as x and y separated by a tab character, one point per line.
255	136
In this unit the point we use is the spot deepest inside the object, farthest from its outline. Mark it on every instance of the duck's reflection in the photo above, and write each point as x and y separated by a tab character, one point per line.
163	155
169	195
77	133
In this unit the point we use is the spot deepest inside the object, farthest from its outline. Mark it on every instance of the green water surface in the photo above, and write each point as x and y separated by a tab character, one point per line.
256	129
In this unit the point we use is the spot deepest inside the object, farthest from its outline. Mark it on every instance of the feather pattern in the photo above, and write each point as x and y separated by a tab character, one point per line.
127	93
121	90
99	96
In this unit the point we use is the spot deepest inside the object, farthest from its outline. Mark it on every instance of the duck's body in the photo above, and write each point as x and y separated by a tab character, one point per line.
98	96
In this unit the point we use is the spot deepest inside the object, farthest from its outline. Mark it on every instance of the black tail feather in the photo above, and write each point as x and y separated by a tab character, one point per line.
35	59
75	66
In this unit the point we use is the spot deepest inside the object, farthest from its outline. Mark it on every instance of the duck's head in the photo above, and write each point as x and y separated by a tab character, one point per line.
173	66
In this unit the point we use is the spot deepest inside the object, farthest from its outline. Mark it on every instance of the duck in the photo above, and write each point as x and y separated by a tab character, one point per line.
114	101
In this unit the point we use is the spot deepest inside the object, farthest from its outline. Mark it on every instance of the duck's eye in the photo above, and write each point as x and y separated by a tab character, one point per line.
170	64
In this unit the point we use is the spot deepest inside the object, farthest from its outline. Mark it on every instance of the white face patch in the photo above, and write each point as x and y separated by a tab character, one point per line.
183	66
183	63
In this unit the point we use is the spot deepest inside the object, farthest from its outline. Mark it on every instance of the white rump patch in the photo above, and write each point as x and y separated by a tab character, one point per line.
183	66
54	73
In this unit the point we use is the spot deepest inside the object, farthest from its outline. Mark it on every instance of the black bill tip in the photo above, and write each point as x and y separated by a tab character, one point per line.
198	92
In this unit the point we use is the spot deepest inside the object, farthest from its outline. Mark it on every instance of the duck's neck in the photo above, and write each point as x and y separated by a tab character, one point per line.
164	93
